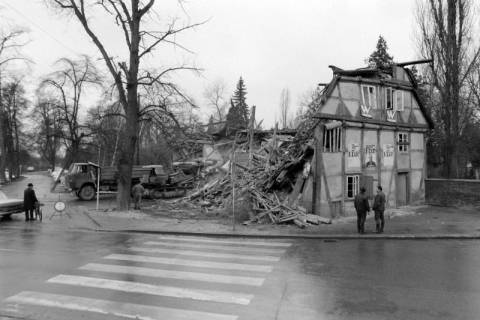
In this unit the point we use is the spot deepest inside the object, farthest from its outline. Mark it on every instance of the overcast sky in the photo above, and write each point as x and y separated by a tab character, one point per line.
272	44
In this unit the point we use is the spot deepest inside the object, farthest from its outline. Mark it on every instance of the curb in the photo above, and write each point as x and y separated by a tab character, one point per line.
303	236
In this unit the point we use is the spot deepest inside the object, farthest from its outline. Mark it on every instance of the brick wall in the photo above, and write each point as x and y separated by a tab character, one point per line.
447	192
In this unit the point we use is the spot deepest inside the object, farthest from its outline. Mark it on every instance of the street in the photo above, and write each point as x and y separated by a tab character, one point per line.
47	274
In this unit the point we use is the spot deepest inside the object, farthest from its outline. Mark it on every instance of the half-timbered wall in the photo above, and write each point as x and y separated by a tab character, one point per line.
376	147
371	155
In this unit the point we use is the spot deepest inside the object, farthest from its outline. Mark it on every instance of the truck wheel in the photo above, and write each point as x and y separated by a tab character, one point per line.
87	193
157	194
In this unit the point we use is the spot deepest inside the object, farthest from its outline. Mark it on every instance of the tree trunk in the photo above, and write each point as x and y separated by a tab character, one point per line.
126	157
127	151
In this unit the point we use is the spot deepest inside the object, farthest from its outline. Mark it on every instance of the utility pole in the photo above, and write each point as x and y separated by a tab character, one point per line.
251	131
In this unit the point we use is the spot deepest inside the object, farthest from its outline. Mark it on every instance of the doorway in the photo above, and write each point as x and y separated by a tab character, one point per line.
402	189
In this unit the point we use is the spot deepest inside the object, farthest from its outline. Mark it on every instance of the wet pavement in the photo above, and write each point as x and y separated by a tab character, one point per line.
62	268
244	278
411	222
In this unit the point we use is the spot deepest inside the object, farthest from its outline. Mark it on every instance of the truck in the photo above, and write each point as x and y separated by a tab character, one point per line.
82	179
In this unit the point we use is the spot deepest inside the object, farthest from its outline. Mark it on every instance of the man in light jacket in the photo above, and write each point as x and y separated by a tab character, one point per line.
138	191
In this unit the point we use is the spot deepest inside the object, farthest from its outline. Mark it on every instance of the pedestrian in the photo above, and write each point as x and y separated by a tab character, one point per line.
137	192
379	209
362	207
29	202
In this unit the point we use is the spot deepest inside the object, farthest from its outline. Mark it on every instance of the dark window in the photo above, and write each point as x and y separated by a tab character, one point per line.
402	142
353	186
389	98
332	140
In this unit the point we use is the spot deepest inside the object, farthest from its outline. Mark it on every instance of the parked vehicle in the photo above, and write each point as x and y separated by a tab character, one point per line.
82	179
10	206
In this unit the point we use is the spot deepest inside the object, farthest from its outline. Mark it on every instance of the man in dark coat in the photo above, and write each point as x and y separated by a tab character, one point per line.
362	207
379	208
29	201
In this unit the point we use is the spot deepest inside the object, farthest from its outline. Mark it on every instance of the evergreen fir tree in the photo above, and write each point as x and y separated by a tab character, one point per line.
380	58
235	118
240	100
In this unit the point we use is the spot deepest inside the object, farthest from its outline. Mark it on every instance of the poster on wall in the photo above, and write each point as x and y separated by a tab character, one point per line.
370	156
353	159
388	155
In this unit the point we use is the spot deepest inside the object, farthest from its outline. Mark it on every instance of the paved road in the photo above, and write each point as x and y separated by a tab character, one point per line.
78	275
42	184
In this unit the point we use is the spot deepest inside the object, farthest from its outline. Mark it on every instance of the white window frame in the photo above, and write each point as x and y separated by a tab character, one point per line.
403	142
397	106
355	182
371	99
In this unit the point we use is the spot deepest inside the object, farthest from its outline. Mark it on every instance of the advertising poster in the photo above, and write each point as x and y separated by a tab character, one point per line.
388	155
353	158
370	156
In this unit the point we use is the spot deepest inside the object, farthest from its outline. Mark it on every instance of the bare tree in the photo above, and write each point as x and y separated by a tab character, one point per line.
14	105
127	75
47	129
68	86
445	29
10	44
215	95
284	107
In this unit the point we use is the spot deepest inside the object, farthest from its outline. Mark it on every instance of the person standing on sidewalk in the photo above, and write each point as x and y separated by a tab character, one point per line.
362	207
137	192
29	201
379	209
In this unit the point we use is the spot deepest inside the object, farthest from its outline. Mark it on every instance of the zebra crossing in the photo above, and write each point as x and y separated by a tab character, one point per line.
172	270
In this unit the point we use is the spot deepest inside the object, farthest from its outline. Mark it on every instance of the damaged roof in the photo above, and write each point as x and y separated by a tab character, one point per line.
379	77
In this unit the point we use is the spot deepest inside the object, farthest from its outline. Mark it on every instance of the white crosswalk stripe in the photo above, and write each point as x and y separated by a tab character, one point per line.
223	241
205	254
174	274
158	260
119	309
215	247
137	287
191	263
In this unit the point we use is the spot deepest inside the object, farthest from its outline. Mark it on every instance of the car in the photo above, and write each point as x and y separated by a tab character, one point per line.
10	206
30	169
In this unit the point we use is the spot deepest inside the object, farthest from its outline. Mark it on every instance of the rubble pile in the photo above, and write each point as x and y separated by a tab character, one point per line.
277	211
269	179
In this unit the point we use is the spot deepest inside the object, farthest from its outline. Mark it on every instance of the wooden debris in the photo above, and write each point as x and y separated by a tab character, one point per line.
274	180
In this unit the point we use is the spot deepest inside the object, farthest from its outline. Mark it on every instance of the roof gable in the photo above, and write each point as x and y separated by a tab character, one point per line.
400	78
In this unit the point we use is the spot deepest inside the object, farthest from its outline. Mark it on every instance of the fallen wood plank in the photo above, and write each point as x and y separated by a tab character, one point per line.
288	218
318	219
272	217
299	223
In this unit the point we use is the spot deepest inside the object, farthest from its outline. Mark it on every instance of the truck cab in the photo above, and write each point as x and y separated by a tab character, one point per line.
81	179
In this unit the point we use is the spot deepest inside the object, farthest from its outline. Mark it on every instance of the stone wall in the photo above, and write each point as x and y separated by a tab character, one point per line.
449	192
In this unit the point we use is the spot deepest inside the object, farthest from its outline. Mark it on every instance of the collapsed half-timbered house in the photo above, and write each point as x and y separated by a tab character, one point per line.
371	131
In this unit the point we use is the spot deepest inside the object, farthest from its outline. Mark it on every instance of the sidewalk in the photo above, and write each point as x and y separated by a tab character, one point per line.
422	222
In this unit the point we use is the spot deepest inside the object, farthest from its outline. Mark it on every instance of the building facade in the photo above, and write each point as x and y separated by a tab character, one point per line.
371	131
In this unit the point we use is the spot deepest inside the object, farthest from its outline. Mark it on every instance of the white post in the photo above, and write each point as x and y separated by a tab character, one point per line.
98	186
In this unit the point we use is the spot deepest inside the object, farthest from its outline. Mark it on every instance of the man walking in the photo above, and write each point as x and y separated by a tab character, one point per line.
137	192
29	201
362	207
379	209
